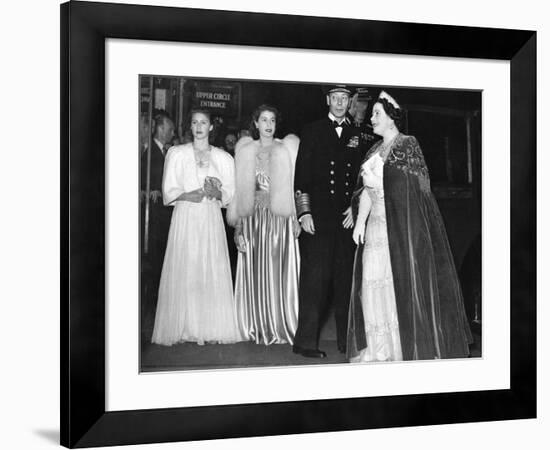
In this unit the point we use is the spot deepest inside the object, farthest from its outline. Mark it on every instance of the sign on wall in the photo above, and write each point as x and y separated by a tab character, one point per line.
220	98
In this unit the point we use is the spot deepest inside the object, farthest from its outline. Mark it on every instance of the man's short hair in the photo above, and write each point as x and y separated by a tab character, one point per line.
160	118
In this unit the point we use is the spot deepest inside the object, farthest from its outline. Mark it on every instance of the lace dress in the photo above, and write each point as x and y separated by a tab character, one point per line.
377	291
266	286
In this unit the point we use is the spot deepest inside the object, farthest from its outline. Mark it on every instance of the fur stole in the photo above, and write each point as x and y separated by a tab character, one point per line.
281	173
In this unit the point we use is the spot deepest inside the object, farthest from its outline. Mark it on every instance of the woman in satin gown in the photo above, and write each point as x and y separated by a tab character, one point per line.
266	231
406	301
195	302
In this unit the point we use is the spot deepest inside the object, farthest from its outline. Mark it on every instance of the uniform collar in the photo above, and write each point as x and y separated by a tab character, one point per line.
332	118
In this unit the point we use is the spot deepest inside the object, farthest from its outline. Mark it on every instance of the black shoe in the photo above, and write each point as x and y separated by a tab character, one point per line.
309	352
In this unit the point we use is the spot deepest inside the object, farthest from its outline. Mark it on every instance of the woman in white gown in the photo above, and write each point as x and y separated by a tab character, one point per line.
406	301
195	302
379	307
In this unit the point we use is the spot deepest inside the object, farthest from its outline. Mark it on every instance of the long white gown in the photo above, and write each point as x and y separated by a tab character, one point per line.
195	302
377	291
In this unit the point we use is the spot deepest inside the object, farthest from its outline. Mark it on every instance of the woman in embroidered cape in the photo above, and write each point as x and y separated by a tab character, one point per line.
406	301
195	302
266	231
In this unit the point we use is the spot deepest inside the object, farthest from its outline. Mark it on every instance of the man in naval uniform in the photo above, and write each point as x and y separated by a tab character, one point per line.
328	162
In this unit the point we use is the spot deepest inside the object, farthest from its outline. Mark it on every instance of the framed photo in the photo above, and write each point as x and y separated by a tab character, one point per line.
114	69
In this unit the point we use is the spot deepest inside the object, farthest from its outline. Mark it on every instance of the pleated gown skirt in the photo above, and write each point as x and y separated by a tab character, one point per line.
195	302
266	286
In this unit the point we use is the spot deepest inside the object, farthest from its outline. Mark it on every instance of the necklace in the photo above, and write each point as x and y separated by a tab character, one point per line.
262	160
202	157
386	147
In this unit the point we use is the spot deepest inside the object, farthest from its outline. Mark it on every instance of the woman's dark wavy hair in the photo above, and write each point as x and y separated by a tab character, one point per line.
256	115
204	111
396	114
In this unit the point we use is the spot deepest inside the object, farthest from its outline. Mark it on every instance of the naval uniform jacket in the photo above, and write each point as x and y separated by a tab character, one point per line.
326	168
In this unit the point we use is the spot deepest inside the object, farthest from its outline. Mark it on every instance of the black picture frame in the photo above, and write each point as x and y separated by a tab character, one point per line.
84	28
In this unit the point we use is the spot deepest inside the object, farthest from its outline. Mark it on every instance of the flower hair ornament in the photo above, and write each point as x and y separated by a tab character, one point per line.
389	98
392	108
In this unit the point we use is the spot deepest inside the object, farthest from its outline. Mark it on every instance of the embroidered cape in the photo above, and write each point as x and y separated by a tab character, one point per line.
430	307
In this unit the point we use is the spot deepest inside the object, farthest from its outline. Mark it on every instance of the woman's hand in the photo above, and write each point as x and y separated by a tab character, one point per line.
359	233
195	196
238	237
365	204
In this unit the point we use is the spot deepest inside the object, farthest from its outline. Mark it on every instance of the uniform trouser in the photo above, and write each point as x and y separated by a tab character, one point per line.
325	280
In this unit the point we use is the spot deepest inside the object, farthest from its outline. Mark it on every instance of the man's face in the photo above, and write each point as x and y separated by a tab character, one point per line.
338	103
230	141
166	132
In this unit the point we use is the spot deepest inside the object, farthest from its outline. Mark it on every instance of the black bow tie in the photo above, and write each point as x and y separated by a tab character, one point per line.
335	124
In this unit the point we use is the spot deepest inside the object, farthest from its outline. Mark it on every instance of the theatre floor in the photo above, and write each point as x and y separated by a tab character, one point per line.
187	356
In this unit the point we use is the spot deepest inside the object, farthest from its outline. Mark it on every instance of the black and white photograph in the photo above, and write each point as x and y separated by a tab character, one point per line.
286	223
